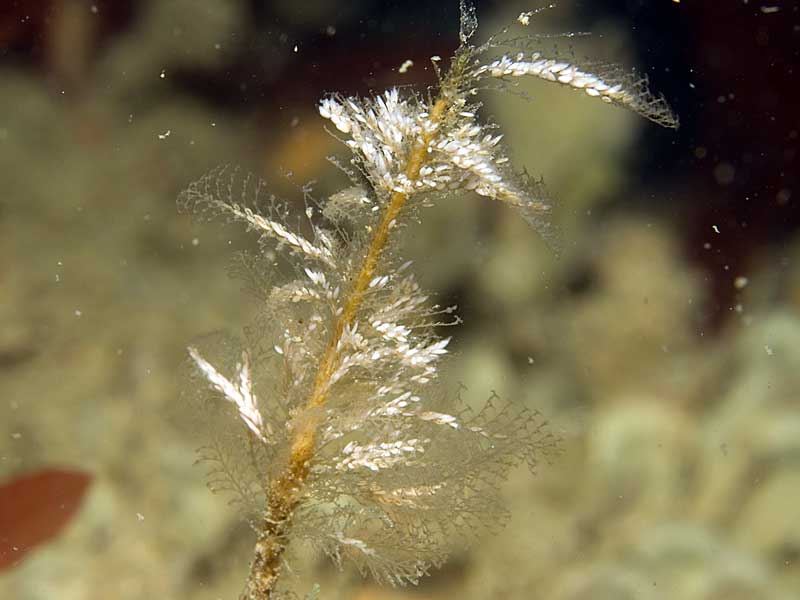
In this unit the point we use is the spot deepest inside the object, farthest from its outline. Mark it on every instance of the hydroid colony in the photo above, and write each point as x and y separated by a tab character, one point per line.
343	439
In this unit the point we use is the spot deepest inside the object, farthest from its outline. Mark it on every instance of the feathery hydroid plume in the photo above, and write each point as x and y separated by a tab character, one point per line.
613	87
344	440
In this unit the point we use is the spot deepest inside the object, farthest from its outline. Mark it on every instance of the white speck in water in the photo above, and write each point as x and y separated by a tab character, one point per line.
295	47
407	64
740	282
16	436
715	228
530	360
330	30
195	241
165	135
163	74
94	9
768	350
140	516
768	10
78	312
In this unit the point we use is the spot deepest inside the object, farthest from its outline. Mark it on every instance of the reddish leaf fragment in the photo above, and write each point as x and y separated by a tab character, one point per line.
35	507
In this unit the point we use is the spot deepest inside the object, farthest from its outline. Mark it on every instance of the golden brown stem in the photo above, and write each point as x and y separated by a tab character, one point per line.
285	491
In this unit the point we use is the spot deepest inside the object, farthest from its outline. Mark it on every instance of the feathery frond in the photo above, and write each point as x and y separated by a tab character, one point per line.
343	435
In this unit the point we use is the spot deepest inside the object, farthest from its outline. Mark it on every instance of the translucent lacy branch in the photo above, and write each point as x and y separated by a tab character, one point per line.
342	438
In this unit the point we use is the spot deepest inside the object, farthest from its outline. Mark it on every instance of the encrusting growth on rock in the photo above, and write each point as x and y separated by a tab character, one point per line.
343	440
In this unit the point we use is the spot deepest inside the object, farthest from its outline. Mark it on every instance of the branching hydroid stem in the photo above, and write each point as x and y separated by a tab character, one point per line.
286	491
347	443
